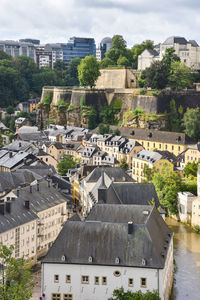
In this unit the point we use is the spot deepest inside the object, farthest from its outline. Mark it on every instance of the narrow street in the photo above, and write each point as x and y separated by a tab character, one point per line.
37	288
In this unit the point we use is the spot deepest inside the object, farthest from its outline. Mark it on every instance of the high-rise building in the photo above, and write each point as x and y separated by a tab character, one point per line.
14	48
104	46
32	41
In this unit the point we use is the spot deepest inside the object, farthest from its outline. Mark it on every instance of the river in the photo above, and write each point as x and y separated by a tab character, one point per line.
187	257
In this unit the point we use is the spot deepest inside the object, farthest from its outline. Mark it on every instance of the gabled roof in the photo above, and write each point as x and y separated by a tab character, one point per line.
106	238
116	174
175	40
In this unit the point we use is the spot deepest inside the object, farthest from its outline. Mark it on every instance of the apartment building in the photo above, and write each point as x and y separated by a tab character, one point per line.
156	159
192	154
98	265
31	218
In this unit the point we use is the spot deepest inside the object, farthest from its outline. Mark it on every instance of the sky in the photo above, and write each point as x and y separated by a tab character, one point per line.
136	20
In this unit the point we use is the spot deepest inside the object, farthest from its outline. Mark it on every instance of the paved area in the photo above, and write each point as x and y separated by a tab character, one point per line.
37	288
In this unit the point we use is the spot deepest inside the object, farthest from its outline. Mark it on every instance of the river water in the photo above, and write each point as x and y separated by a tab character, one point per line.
187	257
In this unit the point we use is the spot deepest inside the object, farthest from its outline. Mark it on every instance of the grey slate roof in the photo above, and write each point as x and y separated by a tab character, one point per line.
175	40
153	52
107	240
117	174
154	156
154	135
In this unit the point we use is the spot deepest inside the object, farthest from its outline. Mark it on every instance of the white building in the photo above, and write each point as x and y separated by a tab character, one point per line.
92	258
188	51
185	202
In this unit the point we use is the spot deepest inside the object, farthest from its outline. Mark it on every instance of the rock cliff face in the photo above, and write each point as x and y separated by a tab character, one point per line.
64	106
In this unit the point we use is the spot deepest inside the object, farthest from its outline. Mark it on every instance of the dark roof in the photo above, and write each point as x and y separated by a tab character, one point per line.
193	43
175	40
106	241
40	168
155	135
116	174
153	52
58	145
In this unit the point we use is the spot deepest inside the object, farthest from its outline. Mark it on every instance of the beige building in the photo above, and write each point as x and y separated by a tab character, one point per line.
192	154
31	218
152	159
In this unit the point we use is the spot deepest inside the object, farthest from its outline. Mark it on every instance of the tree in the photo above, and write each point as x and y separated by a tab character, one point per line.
170	57
107	114
10	110
106	62
92	118
88	71
167	185
65	164
73	70
123	61
117	49
1	140
103	129
137	113
156	76
120	294
180	76
123	164
16	280
149	173
4	55
191	169
191	122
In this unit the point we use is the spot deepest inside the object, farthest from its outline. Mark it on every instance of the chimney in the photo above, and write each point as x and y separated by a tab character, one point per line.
8	206
38	187
102	190
30	188
49	183
20	144
27	204
130	227
17	193
2	208
10	154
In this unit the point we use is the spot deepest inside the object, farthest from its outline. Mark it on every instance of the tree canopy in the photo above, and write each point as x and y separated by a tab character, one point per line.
17	280
88	71
65	164
191	122
120	294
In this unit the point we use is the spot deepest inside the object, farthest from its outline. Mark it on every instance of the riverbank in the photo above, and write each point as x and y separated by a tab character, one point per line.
187	257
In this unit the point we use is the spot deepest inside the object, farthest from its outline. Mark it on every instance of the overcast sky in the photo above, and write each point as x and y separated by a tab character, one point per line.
136	20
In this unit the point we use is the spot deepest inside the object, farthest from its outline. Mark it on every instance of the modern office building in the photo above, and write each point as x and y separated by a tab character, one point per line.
104	46
32	41
14	48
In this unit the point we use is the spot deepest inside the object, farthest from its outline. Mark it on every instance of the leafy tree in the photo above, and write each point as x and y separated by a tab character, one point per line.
26	68
73	70
156	76
65	164
175	117
1	140
191	122
149	173
88	71
191	169
120	294
123	164
137	113
10	110
92	118
103	129
123	61
106	62
59	65
180	76
46	76
107	114
17	280
117	49
4	55
170	57
167	185
116	132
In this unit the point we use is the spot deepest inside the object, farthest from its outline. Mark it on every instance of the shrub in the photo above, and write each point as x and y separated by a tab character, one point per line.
143	92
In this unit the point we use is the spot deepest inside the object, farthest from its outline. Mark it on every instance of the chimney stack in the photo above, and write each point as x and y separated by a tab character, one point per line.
2	208
27	204
8	206
38	187
10	154
17	193
30	188
20	144
49	183
130	227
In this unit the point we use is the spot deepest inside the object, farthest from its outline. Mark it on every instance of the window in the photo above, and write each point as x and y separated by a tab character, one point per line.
104	280
67	297
68	278
172	147
165	147
143	282
27	228
96	280
130	282
55	296
159	146
56	278
117	273
84	279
